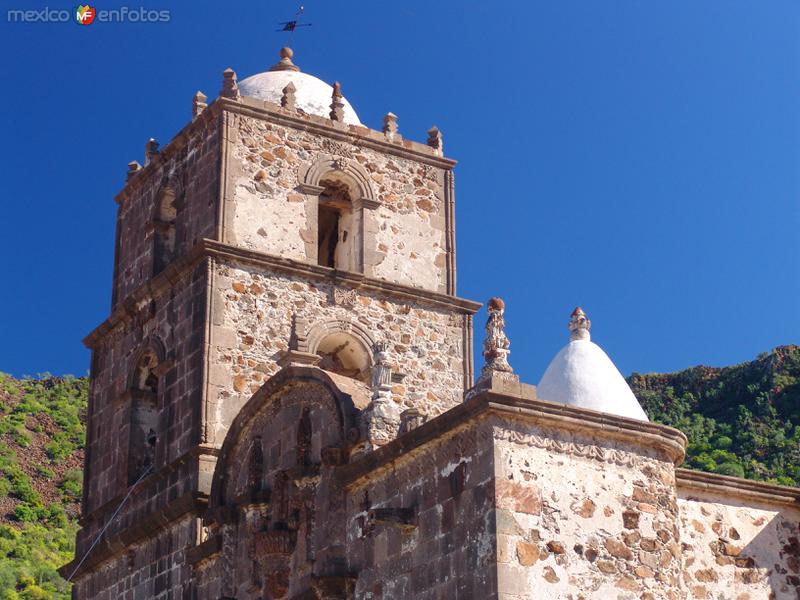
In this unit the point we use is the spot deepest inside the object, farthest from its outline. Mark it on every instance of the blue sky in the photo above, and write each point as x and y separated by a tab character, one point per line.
639	159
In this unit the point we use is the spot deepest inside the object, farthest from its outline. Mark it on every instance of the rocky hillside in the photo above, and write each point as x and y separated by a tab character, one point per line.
41	456
742	420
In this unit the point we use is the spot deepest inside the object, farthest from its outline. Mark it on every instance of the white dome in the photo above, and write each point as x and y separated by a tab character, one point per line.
583	375
312	95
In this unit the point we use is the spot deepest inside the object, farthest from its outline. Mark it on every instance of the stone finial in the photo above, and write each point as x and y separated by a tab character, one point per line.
285	63
390	128
579	325
198	104
230	88
435	139
337	103
288	99
496	343
150	150
133	167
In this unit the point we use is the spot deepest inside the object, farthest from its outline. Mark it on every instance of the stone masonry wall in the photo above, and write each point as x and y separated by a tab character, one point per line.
251	327
582	517
450	552
405	236
191	164
175	317
152	570
739	549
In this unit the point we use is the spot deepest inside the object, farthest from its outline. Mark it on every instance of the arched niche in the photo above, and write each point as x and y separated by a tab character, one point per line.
165	219
344	346
340	206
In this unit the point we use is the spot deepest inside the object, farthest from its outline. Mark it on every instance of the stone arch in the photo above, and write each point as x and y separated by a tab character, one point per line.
344	169
151	345
323	337
322	181
337	401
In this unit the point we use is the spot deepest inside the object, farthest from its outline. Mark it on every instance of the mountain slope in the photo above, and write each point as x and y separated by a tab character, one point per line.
742	420
41	456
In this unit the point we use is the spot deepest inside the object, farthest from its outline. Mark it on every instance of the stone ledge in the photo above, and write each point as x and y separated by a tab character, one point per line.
522	406
107	548
101	511
354	134
736	487
358	135
126	309
205	550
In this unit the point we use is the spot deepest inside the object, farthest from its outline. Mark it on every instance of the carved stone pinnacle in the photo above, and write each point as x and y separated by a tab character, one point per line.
230	88
496	344
579	325
337	104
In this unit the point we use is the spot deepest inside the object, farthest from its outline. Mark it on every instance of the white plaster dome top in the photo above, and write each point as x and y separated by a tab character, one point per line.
583	375
312	95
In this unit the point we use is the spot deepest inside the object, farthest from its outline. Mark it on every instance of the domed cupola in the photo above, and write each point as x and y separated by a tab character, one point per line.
312	95
583	375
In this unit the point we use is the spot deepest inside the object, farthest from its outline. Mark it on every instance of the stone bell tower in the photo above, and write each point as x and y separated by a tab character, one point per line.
274	230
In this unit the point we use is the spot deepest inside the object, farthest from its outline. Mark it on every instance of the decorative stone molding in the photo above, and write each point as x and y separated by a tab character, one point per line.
483	412
174	274
311	175
344	297
734	487
339	148
322	329
591	451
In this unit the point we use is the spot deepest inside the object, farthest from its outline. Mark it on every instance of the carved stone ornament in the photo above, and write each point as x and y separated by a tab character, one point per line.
496	343
579	325
337	148
341	163
342	297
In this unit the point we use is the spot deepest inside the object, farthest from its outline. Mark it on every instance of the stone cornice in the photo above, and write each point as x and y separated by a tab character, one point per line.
146	485
106	548
735	487
523	407
357	135
251	107
166	153
136	300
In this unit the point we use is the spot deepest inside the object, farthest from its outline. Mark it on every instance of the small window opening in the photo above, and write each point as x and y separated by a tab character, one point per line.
328	236
335	220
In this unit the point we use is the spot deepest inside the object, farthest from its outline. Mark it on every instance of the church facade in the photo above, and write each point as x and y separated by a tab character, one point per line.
283	401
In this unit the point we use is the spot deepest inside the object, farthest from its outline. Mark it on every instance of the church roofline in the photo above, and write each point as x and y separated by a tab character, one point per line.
128	307
689	480
253	107
514	400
